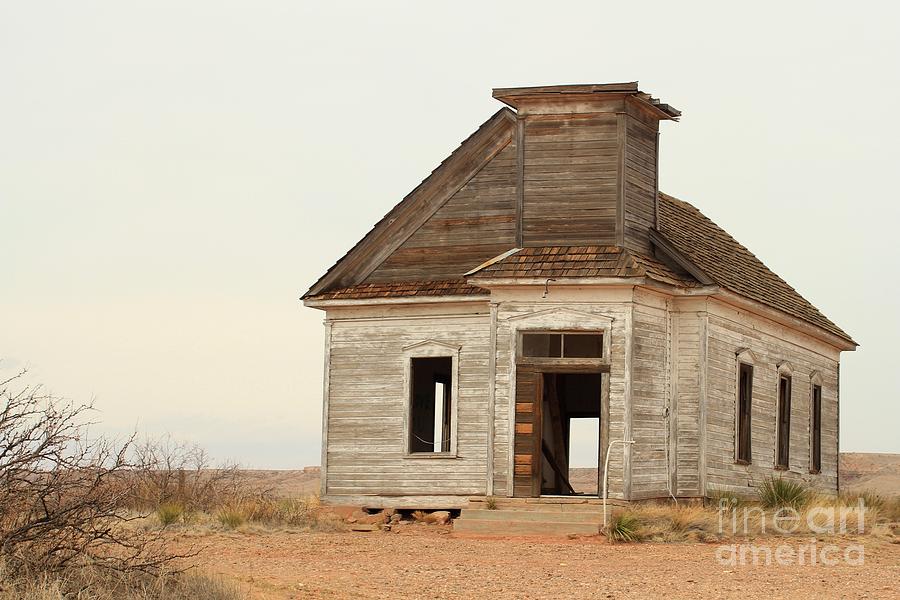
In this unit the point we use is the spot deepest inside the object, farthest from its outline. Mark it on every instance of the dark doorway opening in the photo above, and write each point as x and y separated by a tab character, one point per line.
570	428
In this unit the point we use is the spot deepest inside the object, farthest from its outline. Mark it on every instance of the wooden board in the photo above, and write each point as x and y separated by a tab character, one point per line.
527	460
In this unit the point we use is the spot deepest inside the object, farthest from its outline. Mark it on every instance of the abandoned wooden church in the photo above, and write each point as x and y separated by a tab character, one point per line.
538	280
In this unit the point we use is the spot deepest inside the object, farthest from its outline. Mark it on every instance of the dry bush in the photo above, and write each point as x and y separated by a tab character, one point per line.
668	523
170	513
181	474
63	495
721	497
306	513
95	584
232	516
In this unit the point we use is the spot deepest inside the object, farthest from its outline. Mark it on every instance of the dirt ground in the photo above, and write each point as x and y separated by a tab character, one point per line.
428	562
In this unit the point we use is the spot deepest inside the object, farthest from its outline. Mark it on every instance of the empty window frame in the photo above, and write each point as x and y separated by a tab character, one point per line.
431	404
743	449
815	429
783	423
562	345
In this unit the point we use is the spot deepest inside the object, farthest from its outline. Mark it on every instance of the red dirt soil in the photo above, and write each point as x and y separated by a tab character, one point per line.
428	562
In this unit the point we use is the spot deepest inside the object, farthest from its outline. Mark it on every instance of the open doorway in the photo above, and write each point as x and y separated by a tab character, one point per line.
570	433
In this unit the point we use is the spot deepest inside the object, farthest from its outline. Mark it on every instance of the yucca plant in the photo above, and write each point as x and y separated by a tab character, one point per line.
777	492
490	503
623	528
231	517
169	513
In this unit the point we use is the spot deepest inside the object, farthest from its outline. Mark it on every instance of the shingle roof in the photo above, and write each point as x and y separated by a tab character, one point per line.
725	261
454	287
731	265
580	261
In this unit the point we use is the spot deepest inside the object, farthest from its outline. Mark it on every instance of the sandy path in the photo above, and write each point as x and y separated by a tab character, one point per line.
425	564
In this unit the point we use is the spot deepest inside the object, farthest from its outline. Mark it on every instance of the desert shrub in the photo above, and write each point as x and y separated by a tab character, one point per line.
674	523
181	473
777	492
490	503
623	528
170	513
718	497
95	584
306	513
686	519
891	509
232	517
870	499
63	493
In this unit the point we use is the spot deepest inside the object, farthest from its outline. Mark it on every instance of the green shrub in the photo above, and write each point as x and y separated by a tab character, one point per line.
169	513
231	517
777	492
623	528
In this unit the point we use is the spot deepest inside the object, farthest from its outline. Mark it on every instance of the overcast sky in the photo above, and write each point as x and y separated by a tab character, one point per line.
173	175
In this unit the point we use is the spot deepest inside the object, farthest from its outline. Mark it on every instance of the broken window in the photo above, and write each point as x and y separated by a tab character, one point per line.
430	404
745	398
815	430
562	345
783	428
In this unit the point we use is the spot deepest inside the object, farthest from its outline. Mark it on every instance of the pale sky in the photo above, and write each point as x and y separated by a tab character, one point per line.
173	175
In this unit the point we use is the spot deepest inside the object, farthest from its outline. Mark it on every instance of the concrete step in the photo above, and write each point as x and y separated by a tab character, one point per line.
502	514
518	527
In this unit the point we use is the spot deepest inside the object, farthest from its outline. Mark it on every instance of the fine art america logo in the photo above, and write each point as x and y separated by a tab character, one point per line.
818	521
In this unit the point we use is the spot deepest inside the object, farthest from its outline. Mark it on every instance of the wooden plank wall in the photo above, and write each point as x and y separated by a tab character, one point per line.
730	330
571	164
621	313
648	396
365	453
640	184
687	385
477	223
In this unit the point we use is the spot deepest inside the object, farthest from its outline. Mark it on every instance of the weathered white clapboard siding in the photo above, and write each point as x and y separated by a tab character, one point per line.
366	404
523	304
649	396
731	330
687	332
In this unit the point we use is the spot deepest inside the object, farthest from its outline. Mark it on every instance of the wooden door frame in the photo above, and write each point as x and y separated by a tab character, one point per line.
541	367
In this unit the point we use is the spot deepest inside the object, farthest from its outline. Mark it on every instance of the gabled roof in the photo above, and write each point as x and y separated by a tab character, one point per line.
577	261
407	216
730	265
